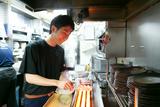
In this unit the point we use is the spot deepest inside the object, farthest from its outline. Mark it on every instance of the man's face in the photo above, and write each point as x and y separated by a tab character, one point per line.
62	34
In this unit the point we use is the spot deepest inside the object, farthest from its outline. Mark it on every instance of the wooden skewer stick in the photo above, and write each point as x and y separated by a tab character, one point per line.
83	104
88	99
78	104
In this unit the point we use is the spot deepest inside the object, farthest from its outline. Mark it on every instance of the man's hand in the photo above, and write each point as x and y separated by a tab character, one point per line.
65	85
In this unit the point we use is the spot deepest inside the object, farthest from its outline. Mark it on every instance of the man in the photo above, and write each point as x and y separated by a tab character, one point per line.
43	63
6	56
104	39
7	76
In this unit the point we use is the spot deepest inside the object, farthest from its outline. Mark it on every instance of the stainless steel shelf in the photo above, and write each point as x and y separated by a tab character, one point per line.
121	100
23	9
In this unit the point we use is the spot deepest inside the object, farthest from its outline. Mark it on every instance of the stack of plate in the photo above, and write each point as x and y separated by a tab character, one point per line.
121	73
136	72
148	89
114	67
131	92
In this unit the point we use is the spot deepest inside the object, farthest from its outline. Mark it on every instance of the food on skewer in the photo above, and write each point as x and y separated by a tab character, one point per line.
78	103
84	96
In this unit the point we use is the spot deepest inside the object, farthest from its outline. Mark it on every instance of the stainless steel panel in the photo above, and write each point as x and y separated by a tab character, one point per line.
144	36
116	48
99	64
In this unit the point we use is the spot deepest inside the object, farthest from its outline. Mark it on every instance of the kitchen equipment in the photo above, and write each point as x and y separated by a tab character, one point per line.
99	64
147	92
140	83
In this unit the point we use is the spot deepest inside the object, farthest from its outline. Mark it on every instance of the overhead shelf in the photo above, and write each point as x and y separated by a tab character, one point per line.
46	30
23	9
26	13
20	39
19	32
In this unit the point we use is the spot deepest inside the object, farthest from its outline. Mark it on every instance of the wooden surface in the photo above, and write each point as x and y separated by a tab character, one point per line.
54	101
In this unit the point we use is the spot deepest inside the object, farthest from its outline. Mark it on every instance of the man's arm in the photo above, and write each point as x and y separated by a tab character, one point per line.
39	80
42	81
63	76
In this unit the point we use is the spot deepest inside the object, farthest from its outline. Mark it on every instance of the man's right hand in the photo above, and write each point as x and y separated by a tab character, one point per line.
65	85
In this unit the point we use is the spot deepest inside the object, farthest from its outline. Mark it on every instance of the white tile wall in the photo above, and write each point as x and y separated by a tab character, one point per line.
3	11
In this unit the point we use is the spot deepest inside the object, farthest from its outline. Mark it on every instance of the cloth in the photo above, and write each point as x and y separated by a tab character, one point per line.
8	86
6	56
44	60
37	102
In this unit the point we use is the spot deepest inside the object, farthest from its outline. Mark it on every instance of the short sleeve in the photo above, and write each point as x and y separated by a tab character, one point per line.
28	64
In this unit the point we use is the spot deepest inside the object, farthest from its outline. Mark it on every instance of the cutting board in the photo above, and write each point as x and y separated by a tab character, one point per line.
54	101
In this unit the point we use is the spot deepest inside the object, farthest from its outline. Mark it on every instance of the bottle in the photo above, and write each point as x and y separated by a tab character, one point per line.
87	68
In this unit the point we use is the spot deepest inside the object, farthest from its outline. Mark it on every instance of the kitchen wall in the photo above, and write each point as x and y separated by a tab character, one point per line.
3	15
143	36
117	32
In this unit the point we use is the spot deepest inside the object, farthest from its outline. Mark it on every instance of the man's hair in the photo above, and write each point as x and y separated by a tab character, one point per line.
61	21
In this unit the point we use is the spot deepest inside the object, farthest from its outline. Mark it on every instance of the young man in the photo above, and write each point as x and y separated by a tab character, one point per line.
43	63
7	76
6	55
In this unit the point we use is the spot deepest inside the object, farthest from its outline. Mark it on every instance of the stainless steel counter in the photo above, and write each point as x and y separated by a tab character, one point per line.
98	102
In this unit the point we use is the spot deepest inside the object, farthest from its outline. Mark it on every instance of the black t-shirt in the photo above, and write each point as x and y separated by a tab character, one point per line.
44	60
